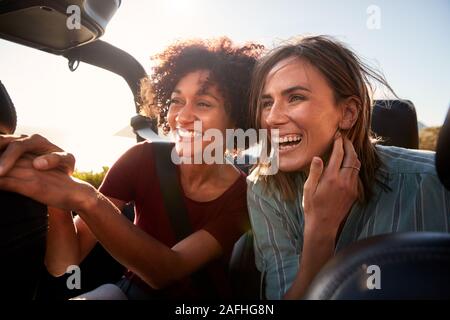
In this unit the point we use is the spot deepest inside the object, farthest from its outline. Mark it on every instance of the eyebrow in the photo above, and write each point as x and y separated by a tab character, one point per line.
287	91
199	93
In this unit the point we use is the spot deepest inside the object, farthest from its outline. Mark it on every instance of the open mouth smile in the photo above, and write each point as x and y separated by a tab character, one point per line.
186	134
288	142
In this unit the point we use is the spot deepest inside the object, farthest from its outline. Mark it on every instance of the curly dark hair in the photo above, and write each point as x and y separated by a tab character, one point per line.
230	68
8	116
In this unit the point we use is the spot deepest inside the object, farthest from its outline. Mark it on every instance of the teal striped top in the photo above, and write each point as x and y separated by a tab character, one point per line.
414	201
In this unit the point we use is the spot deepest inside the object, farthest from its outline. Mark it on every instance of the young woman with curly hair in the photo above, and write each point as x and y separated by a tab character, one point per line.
193	81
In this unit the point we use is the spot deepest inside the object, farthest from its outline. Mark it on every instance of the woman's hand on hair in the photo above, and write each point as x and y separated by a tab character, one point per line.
330	193
49	156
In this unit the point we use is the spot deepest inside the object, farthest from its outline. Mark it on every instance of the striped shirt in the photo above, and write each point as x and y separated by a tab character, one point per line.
416	201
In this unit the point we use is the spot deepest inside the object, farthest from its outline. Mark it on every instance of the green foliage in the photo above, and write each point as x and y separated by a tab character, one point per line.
94	178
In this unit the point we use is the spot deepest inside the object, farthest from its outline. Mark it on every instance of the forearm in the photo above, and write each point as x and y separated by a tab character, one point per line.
151	260
62	242
318	248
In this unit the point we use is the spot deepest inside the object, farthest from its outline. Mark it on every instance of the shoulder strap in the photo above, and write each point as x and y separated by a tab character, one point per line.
171	190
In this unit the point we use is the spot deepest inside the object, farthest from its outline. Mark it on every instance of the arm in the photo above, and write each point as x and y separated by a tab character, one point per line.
327	198
318	248
154	262
69	240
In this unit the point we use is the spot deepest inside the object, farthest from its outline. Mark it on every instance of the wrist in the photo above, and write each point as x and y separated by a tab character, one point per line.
85	198
318	232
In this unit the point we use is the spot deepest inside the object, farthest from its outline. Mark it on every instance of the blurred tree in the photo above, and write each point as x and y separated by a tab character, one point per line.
94	178
428	138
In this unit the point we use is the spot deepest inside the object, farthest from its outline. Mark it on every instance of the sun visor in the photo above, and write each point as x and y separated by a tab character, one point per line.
55	25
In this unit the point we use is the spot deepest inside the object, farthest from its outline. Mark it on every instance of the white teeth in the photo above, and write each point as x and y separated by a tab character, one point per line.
188	133
287	139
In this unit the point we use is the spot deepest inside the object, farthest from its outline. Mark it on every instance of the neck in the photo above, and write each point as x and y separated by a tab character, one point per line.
198	174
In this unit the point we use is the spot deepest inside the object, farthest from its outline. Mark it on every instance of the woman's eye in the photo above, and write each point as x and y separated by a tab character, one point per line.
296	98
175	101
266	104
204	104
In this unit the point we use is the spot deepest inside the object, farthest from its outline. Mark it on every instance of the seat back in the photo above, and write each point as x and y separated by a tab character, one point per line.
443	153
413	265
23	232
244	277
396	122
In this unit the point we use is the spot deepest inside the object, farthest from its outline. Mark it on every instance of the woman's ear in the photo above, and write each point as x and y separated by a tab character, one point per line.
350	113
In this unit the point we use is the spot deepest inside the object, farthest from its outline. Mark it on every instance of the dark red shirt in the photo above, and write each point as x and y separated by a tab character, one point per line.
133	178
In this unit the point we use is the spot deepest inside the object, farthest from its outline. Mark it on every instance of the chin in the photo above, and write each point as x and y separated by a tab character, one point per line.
293	165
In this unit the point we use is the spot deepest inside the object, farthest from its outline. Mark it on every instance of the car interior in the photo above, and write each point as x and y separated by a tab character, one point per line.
39	24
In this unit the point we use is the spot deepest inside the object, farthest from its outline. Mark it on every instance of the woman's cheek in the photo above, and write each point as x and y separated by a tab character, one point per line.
171	118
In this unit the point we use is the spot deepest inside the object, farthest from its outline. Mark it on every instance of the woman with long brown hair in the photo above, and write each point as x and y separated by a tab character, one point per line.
335	185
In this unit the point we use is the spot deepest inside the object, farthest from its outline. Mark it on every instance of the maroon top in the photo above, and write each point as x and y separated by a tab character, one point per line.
133	178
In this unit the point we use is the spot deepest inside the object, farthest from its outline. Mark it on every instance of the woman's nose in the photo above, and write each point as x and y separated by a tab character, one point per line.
186	114
276	116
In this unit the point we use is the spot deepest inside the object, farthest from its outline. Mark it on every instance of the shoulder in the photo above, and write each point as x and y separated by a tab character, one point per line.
140	148
264	197
261	191
397	160
410	172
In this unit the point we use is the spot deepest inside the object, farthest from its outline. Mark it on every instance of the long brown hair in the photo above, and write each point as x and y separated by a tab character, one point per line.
348	77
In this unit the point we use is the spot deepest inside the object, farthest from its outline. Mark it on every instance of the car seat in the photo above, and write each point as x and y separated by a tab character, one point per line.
395	121
412	265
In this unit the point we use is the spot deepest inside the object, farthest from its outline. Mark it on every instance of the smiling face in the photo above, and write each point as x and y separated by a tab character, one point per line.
192	100
297	100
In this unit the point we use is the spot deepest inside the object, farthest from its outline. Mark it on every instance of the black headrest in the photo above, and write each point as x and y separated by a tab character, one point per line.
396	122
443	153
409	265
8	116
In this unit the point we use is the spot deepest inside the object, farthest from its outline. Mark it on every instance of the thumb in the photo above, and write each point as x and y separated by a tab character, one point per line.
61	160
315	172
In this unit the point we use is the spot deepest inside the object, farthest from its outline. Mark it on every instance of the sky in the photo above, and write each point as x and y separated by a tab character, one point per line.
81	111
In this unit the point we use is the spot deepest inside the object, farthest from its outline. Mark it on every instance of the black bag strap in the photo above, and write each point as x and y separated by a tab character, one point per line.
172	194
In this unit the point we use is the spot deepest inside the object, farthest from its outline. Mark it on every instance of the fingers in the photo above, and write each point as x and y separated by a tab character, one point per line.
315	172
336	155
61	160
5	139
16	147
350	163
